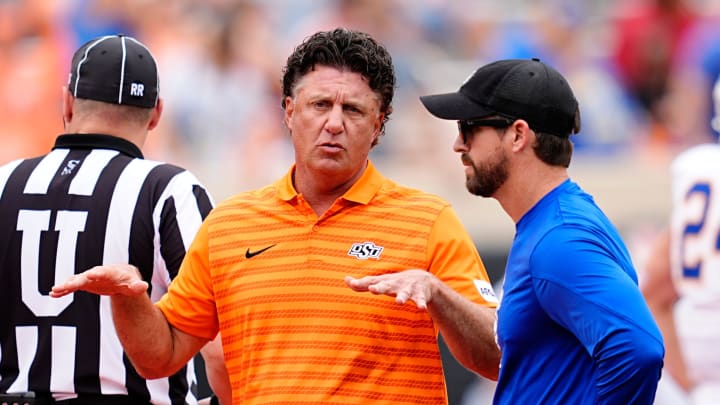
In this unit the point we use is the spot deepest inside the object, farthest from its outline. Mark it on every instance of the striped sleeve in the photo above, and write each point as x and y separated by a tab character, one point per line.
455	260
182	207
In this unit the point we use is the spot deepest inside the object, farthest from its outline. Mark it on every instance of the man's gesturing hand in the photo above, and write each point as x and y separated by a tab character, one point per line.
120	279
415	285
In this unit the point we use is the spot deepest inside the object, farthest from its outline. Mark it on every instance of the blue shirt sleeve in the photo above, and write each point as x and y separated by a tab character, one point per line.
589	288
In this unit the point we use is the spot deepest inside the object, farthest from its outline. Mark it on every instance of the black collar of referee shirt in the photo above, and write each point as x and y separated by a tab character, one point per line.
97	141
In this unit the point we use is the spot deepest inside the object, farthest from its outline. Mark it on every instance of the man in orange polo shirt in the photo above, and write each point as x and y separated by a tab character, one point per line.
281	271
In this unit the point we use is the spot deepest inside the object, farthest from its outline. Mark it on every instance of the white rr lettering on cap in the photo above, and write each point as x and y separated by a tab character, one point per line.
136	89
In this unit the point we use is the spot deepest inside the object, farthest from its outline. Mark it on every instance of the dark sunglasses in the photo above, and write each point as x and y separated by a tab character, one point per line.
467	127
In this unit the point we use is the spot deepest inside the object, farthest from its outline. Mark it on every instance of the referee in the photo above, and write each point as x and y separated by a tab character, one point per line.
92	200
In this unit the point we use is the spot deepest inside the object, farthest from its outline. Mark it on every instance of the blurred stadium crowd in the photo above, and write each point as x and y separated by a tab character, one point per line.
642	70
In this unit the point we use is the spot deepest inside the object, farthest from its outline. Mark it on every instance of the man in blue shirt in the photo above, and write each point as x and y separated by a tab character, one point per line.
572	325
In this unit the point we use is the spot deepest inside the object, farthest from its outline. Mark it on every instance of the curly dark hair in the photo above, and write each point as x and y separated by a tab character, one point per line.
344	49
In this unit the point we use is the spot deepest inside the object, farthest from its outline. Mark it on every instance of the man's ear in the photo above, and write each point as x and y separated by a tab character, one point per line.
289	110
522	135
156	114
68	103
376	132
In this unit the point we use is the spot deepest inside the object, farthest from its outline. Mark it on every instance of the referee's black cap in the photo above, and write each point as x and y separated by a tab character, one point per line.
525	89
116	69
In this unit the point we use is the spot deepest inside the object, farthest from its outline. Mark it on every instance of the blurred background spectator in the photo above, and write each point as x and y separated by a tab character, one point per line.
642	71
32	64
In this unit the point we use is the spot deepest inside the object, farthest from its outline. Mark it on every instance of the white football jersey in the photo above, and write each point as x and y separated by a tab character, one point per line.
695	255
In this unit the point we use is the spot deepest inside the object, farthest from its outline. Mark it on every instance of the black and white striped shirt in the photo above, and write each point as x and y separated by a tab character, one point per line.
92	200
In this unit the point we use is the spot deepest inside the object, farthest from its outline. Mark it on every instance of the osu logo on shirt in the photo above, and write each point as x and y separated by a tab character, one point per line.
365	250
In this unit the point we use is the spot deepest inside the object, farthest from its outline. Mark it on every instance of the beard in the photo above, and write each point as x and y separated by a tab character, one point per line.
487	177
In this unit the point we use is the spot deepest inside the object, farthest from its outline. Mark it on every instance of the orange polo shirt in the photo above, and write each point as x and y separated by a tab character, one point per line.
268	273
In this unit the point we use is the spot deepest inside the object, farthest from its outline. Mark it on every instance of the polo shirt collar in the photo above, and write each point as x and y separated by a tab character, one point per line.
364	189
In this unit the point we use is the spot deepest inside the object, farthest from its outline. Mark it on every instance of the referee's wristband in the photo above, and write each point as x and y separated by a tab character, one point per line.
214	400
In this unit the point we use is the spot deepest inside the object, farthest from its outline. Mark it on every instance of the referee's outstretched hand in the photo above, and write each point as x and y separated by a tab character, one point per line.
119	279
415	285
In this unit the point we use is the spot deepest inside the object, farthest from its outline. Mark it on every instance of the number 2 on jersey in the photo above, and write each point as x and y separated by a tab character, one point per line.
694	231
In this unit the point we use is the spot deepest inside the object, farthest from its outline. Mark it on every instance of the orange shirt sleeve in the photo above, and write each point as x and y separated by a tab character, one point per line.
454	259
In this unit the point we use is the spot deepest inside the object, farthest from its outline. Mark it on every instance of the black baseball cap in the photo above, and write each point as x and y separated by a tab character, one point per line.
115	69
524	89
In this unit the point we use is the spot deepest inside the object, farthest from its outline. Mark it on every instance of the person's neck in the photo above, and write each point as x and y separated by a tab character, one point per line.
131	134
321	191
524	189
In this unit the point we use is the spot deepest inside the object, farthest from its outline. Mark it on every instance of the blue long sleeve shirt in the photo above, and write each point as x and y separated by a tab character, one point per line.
572	325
